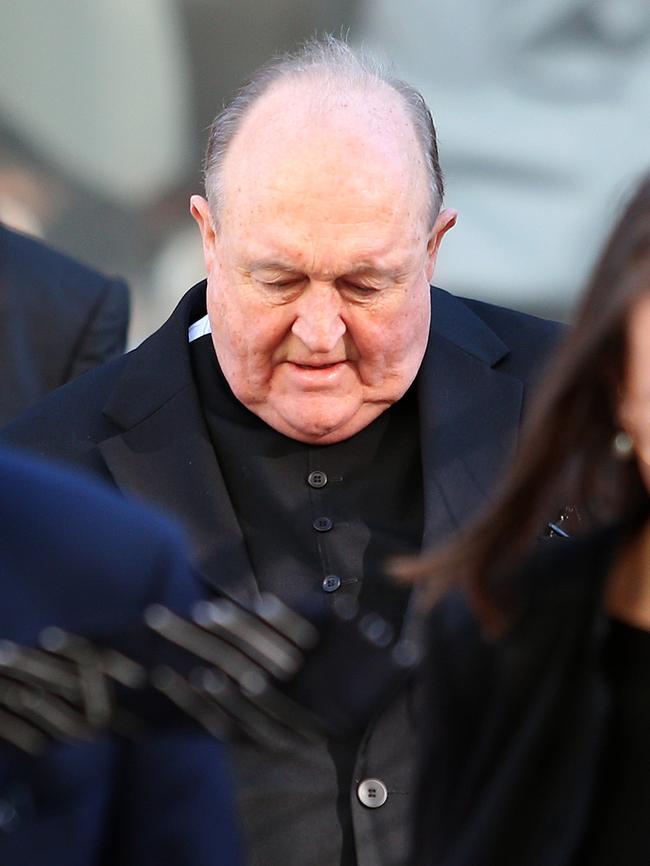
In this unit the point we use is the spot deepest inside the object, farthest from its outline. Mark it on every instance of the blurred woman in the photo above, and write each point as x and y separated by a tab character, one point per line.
536	735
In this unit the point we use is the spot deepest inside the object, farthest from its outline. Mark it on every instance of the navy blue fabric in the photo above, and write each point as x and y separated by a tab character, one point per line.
78	556
58	318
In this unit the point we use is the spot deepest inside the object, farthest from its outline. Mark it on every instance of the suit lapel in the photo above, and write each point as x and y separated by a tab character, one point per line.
164	453
469	416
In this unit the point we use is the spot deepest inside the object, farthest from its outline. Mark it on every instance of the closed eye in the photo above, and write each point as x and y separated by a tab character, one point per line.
282	291
285	283
358	287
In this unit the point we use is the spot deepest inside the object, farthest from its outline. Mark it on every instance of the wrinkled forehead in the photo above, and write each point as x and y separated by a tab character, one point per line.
314	142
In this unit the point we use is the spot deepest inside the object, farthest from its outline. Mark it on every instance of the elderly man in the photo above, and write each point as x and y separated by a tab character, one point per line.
316	408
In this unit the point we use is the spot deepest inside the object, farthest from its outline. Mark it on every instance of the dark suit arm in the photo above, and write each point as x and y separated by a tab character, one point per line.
104	333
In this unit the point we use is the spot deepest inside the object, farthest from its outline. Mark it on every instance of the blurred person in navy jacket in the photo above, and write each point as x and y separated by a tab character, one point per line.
78	557
58	318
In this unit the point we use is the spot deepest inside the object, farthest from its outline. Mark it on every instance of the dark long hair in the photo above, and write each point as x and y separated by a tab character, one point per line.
566	454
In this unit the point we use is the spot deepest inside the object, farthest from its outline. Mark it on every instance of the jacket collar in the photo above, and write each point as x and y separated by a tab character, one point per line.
156	371
469	415
164	453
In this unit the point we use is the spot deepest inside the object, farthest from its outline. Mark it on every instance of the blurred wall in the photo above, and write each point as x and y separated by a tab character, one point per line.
542	108
103	113
543	113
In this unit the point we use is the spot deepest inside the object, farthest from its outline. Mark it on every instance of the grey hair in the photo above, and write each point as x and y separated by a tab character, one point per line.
339	64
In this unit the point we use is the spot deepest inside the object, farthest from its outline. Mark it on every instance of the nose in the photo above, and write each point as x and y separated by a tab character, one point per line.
318	323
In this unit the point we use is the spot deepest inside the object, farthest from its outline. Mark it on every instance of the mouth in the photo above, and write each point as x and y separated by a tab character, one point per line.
316	366
316	375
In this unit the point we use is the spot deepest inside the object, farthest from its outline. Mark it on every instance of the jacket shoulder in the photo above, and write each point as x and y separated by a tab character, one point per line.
31	265
67	422
58	317
530	339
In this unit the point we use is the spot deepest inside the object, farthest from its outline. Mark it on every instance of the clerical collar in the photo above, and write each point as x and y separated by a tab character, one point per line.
199	329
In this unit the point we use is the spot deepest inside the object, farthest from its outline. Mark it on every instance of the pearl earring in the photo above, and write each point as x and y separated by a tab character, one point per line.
622	445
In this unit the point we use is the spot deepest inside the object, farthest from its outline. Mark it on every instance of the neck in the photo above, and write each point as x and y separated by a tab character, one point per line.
628	588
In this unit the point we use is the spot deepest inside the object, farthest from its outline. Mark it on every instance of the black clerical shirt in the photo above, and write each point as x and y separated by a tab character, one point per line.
320	518
619	831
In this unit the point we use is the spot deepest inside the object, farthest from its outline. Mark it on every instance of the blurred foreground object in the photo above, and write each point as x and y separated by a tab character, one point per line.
239	673
77	556
58	319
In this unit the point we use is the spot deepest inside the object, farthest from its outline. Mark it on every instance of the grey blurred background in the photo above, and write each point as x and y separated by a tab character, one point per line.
542	109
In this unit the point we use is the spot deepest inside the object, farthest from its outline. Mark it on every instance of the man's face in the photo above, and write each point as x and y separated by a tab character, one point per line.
318	271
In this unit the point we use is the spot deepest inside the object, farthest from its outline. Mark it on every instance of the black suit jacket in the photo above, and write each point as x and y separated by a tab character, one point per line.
137	423
77	556
58	319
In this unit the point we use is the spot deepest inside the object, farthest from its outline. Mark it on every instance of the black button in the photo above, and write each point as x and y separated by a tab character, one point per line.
331	583
317	479
322	524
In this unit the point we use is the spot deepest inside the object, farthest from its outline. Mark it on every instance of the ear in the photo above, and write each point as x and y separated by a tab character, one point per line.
446	220
200	210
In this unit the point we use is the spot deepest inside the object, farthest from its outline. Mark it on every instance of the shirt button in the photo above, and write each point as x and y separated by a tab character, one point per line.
317	479
331	583
372	793
322	524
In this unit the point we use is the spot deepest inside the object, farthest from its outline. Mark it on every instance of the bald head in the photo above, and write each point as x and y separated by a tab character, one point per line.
328	77
331	147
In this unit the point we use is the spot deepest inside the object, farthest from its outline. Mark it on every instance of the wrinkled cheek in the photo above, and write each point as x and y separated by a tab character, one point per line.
246	371
371	374
375	368
255	372
387	377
